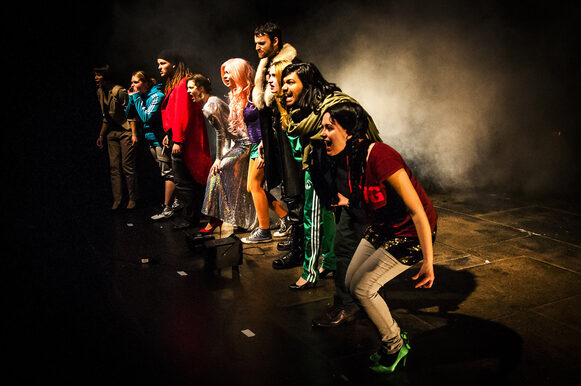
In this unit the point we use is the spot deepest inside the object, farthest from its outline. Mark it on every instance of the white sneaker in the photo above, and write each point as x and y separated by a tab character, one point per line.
285	227
166	213
176	205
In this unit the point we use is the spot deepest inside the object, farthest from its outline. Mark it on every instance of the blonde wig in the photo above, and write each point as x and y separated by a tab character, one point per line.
241	84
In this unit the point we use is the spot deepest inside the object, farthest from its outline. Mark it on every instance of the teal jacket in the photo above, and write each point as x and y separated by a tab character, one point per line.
147	107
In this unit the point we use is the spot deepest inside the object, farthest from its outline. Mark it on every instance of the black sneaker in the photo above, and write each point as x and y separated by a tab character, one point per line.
258	235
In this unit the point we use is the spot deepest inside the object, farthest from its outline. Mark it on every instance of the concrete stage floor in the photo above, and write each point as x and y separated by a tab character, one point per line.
505	308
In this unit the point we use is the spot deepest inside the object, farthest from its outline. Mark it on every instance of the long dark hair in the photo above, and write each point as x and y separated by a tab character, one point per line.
181	69
315	87
354	120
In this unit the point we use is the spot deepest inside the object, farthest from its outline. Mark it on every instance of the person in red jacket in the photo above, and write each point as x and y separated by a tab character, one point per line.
183	122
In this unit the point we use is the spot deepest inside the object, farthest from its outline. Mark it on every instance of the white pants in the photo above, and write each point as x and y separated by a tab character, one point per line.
368	271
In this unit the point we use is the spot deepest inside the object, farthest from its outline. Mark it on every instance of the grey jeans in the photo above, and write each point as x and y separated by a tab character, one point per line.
369	270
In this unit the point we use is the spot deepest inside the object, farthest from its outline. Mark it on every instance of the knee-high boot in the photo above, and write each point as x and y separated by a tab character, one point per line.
296	254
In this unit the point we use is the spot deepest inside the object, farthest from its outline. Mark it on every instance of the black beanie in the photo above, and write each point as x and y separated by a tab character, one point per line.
169	55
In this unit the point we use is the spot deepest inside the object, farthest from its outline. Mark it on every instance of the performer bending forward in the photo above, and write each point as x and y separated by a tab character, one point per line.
402	228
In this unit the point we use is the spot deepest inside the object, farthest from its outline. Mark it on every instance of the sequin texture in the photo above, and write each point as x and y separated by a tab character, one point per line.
406	250
226	196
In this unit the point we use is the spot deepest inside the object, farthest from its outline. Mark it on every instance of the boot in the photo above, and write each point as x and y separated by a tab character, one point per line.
297	250
292	259
284	245
287	245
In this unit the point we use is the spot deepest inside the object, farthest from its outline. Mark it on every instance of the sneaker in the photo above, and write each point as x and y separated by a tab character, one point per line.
166	213
258	236
285	227
176	205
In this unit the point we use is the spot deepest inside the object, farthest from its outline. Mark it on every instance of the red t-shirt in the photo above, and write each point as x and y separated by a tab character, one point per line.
386	206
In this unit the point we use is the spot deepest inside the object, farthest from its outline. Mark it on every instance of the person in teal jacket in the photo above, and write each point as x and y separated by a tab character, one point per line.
145	97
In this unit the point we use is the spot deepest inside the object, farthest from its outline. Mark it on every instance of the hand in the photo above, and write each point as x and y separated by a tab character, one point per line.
343	201
176	149
426	274
260	163
134	140
165	141
100	142
215	169
131	90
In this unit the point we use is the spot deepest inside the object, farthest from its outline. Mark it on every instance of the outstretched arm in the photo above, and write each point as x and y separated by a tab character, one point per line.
403	186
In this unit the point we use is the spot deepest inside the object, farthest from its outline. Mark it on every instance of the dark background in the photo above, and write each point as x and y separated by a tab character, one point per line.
475	95
478	95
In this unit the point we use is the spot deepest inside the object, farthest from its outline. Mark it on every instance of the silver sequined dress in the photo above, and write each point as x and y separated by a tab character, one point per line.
226	196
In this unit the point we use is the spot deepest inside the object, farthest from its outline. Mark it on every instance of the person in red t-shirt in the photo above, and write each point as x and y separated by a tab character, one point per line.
403	223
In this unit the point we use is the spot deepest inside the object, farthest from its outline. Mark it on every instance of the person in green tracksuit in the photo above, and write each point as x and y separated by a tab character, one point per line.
319	228
318	220
307	96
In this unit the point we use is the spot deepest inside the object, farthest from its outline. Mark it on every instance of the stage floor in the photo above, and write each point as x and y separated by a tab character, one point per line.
505	308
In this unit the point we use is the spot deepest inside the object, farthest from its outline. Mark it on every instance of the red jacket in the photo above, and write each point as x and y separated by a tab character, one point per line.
186	121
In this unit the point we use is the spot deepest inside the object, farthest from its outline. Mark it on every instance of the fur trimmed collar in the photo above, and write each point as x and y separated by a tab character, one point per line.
261	95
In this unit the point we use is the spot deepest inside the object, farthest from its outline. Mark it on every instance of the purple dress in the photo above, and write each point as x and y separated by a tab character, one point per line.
252	121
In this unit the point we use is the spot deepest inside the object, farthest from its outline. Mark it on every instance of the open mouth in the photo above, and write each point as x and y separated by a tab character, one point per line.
328	144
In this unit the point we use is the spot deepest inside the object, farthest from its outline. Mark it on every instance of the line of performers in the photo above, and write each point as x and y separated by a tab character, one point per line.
348	199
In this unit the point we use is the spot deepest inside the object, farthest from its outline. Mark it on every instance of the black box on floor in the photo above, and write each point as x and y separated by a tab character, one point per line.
197	240
222	253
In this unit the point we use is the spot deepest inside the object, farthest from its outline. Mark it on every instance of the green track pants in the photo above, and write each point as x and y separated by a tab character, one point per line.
319	224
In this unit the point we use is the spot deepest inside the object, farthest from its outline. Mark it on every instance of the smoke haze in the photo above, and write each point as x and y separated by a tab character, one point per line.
474	95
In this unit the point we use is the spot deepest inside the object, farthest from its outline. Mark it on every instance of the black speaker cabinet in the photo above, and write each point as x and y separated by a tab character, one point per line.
222	253
196	241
